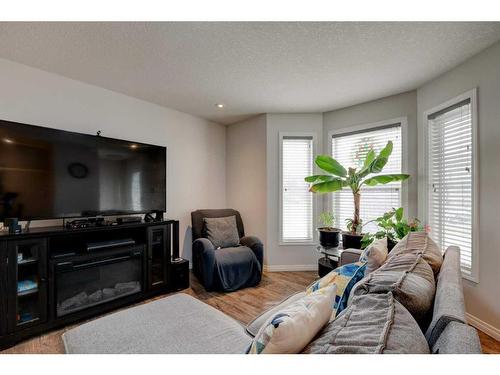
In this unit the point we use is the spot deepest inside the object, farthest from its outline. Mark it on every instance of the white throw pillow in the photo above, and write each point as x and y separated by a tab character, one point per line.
374	255
291	329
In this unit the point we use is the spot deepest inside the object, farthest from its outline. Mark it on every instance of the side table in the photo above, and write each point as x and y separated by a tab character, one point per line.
330	259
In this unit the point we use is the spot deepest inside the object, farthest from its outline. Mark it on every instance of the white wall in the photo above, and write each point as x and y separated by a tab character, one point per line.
195	148
286	257
246	174
391	107
481	71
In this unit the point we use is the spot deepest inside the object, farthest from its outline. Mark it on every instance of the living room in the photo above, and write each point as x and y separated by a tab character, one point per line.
212	187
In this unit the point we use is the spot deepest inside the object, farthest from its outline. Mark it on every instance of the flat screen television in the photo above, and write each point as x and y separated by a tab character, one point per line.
47	174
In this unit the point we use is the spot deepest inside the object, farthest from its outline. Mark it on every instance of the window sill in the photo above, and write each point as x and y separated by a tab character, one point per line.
308	243
472	279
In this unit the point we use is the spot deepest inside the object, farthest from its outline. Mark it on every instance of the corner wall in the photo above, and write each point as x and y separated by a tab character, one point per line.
196	152
481	71
246	174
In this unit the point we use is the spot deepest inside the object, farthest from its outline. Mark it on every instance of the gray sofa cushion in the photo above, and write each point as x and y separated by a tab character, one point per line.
371	324
174	324
457	338
254	326
449	301
222	231
420	242
409	278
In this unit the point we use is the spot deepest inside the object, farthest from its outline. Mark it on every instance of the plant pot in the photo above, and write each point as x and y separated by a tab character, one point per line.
351	240
329	237
391	244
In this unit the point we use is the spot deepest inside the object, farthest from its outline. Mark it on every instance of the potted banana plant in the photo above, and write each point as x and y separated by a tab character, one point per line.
337	178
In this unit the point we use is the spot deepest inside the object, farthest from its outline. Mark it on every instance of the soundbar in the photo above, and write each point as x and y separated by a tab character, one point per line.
93	246
129	219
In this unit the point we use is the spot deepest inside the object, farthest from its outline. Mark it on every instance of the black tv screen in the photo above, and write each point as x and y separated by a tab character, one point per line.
47	173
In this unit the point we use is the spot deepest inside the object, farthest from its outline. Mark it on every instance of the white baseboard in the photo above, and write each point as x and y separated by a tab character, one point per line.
290	267
483	326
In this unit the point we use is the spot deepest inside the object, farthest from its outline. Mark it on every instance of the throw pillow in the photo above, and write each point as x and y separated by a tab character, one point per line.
222	231
344	278
372	324
374	255
420	242
291	329
409	278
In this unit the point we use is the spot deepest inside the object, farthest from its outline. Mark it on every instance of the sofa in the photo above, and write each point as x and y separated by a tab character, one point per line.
183	324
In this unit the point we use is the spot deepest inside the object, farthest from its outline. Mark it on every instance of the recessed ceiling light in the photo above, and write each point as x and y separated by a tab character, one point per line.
133	146
7	140
219	105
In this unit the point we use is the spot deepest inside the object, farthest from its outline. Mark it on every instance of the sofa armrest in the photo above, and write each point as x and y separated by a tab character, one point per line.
349	256
255	245
204	261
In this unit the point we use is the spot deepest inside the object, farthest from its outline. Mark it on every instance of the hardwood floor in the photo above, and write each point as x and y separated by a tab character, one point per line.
242	305
489	344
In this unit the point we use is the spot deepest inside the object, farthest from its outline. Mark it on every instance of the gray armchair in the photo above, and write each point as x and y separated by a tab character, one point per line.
230	268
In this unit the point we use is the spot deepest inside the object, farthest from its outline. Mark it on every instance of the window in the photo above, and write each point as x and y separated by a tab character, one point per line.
350	150
450	179
296	201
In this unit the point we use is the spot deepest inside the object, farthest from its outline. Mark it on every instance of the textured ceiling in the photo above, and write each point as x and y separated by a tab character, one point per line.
250	67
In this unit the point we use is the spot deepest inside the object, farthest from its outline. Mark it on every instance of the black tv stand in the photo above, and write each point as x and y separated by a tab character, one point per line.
54	276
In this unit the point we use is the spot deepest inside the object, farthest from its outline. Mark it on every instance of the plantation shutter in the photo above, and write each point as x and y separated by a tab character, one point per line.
297	201
450	180
350	150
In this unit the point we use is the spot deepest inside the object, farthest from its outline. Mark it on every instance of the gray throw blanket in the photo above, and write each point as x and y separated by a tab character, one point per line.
238	267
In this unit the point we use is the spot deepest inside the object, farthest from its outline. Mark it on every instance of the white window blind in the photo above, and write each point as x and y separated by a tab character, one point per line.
297	201
450	179
350	150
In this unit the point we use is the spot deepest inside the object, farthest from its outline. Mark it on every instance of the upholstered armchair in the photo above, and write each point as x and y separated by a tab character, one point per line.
229	268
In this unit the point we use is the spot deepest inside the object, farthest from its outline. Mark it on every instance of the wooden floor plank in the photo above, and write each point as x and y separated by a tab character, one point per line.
242	305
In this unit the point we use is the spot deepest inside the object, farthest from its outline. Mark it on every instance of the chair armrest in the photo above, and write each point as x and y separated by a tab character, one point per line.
255	245
349	256
204	261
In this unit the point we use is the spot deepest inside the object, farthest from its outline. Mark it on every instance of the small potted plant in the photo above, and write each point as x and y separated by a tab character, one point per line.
394	226
328	235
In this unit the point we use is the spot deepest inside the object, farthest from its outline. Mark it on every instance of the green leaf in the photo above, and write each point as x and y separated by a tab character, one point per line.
370	157
386	151
327	187
399	214
385	179
318	178
330	165
378	164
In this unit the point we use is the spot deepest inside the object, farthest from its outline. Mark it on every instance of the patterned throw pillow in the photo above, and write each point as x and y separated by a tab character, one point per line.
291	329
344	278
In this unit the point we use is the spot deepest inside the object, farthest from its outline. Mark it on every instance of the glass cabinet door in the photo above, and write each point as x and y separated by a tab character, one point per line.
28	284
158	257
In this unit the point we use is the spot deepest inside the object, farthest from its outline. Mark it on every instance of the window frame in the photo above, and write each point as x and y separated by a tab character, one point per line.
403	121
314	137
424	159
